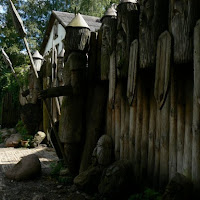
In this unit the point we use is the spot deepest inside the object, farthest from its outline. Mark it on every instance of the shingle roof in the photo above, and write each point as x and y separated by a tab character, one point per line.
65	18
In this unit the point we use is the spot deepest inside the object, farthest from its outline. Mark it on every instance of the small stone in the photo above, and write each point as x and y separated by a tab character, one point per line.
64	172
59	186
38	197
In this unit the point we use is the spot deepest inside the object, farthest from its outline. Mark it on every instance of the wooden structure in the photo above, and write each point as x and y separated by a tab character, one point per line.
146	95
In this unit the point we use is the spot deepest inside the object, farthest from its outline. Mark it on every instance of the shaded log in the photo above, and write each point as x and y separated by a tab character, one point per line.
132	71
157	149
92	58
145	130
180	122
151	137
127	31
117	119
109	26
153	13
123	118
76	39
163	64
126	131
187	154
182	19
96	106
173	126
138	134
196	110
164	143
112	79
132	130
71	126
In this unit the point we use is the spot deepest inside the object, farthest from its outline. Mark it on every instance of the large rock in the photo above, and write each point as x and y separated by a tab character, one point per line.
179	188
103	151
117	180
13	140
89	180
27	168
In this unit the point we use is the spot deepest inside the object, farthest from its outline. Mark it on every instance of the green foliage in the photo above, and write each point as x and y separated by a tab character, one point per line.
55	168
148	194
89	7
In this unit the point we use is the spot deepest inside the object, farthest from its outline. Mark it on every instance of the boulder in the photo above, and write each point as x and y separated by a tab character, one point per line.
27	168
103	151
13	140
89	180
178	188
117	180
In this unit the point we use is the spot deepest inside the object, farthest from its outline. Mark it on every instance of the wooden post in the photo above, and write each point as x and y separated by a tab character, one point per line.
151	137
173	126
182	19
145	130
132	130
138	134
123	116
117	120
153	13
187	154
127	31
126	131
164	143
196	110
180	123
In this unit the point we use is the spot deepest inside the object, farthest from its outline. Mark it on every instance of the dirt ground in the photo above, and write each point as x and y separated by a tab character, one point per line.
43	187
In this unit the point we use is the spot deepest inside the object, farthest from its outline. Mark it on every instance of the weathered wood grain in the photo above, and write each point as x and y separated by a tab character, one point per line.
182	19
196	111
132	71
127	31
153	21
163	65
117	119
138	134
151	136
173	126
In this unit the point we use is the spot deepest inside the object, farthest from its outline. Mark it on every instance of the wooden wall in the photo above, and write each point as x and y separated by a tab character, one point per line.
153	108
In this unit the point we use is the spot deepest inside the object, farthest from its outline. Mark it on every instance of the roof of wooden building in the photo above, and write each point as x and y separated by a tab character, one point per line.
65	18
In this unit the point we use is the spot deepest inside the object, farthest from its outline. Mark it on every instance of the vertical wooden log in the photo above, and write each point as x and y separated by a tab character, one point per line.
127	31
123	116
138	133
117	120
180	123
132	130
126	132
164	143
96	107
145	129
182	19
187	155
152	137
173	126
153	13
196	109
157	149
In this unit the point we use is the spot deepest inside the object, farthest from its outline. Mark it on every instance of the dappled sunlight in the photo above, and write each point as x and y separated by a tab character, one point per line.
10	156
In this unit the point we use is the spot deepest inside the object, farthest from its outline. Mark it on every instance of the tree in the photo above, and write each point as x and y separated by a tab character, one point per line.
89	7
